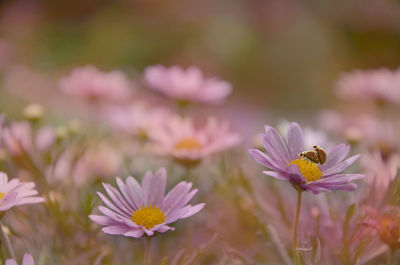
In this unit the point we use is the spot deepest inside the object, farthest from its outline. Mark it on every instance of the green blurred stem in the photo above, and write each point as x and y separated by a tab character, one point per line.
7	243
147	259
296	226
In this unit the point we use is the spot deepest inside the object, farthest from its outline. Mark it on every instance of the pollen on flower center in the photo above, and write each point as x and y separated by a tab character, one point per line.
310	170
188	143
148	216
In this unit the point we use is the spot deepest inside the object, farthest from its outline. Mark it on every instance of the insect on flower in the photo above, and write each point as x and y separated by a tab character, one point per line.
317	155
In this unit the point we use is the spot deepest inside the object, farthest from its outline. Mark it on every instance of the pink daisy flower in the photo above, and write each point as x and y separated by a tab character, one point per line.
283	160
26	260
186	85
14	193
136	210
381	85
188	143
90	83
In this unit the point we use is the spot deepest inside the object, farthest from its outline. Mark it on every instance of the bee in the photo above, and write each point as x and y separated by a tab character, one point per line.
317	155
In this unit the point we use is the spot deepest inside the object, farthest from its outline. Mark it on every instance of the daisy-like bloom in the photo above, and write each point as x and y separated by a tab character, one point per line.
186	85
386	225
381	85
139	120
181	139
90	83
14	193
136	210
26	260
284	162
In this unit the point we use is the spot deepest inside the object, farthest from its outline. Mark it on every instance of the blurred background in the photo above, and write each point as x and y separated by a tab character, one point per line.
281	55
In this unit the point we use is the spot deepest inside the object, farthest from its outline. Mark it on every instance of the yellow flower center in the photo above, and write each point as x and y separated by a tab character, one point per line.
188	143
148	216
2	195
310	170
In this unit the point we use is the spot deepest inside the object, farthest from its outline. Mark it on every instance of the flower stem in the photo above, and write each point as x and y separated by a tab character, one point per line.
147	260
7	243
296	226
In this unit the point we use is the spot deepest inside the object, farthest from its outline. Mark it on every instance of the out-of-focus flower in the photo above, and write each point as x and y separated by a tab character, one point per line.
17	138
181	139
380	172
381	85
387	225
14	193
137	209
186	85
26	260
90	83
138	119
375	134
100	161
33	112
284	162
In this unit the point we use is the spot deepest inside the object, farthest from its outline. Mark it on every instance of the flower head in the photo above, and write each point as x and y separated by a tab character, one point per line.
139	120
284	162
186	142
137	209
381	85
186	85
26	260
90	83
14	192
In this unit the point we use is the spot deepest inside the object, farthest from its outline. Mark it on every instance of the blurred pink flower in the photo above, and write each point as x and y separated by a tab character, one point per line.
364	129
186	85
100	161
137	209
14	193
17	138
26	260
138	119
181	139
379	172
381	85
90	83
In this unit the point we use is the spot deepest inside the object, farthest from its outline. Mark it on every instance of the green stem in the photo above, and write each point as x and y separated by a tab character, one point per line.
296	226
7	243
147	260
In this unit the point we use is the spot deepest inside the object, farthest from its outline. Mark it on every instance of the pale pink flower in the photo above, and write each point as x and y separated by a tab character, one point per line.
181	139
136	210
138	119
26	260
90	83
381	85
186	85
14	193
100	161
380	172
18	138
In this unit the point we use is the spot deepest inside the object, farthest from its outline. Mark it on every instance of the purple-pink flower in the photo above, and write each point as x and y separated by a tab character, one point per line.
283	161
14	193
381	85
186	85
136	210
26	260
186	141
90	83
